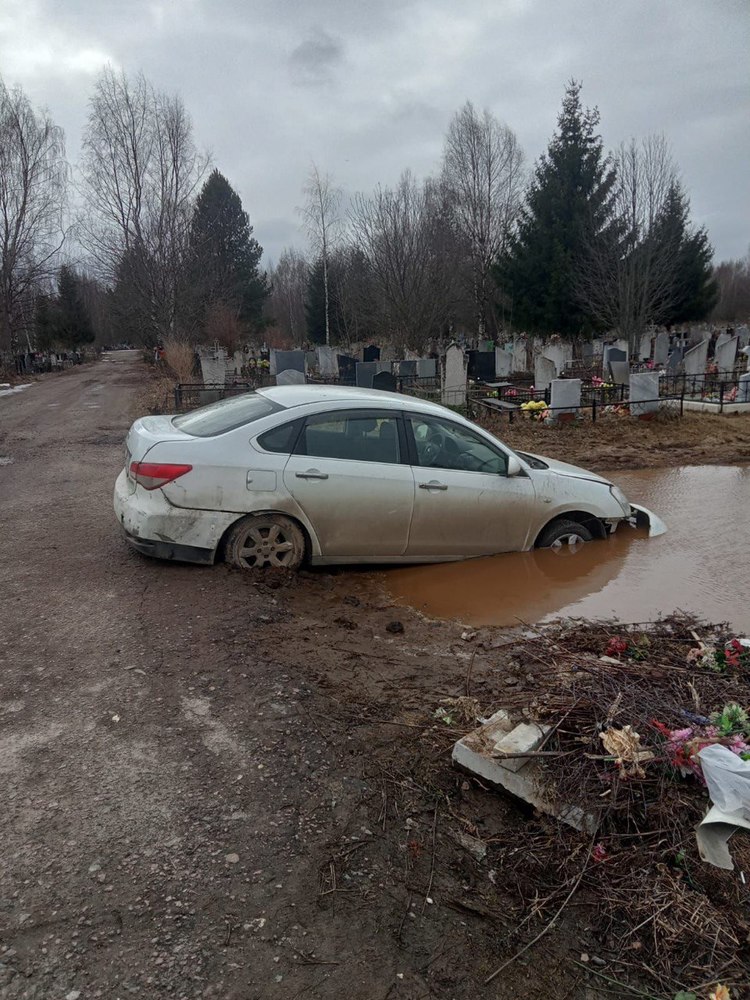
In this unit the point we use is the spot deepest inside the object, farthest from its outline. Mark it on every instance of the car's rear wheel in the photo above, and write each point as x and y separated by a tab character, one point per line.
265	540
564	536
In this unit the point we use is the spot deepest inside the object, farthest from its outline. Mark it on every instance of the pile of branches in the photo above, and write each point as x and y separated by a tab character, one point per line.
605	691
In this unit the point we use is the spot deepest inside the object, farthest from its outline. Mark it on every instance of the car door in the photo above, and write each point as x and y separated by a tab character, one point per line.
350	475
465	504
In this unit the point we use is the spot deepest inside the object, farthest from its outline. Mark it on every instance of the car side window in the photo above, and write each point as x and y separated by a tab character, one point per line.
280	440
441	444
352	436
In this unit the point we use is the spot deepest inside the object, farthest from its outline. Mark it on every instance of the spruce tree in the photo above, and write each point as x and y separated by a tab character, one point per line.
73	322
224	256
567	205
694	290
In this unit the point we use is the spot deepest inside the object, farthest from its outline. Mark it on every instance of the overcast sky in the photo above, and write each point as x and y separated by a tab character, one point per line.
368	88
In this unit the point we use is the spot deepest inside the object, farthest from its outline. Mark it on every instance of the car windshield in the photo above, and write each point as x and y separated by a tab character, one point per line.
226	415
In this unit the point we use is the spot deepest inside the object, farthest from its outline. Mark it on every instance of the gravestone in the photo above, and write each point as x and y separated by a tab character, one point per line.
482	365
544	371
311	360
560	353
721	339
290	377
644	350
371	353
565	398
620	372
675	360
743	390
613	355
622	345
454	377
743	336
644	393
726	355
519	361
503	362
237	362
385	381
366	371
587	352
426	368
285	361
661	348
407	369
347	367
214	367
387	353
694	361
598	346
327	362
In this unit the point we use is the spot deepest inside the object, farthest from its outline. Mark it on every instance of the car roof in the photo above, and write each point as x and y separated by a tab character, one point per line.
301	395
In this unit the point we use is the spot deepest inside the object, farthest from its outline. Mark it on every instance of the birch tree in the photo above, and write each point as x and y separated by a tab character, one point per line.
322	221
483	170
141	170
33	187
629	275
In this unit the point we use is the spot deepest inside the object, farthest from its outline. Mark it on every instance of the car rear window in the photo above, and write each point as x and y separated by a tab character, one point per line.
226	415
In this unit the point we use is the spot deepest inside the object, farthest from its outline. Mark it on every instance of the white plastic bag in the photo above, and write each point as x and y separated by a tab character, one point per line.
728	780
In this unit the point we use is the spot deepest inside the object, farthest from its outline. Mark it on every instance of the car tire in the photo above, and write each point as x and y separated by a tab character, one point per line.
265	540
564	536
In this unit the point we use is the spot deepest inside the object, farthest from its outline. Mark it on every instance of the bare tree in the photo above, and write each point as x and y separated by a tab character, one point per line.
288	290
733	279
141	170
483	170
629	276
322	221
403	235
33	188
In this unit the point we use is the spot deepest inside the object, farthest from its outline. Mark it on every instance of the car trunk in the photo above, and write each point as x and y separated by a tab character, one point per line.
143	435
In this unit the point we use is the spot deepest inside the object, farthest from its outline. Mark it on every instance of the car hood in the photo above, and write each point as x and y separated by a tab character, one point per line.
572	471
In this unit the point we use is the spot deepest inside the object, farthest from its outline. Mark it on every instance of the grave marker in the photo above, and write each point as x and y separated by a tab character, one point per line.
454	377
694	362
661	348
290	377
544	371
644	394
385	381
726	355
565	398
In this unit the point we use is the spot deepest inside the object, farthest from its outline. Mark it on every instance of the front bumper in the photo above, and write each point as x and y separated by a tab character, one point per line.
156	528
645	518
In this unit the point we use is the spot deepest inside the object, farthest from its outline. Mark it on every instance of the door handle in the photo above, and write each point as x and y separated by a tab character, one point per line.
432	486
311	474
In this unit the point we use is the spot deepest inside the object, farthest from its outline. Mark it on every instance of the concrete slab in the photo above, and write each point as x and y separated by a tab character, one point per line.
477	754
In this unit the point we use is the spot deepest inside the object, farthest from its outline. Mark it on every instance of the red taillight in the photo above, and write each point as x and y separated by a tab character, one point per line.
152	475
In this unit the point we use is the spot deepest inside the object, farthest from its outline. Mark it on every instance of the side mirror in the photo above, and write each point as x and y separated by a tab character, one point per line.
514	466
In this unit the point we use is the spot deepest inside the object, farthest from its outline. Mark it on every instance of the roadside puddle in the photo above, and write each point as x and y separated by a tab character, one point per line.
701	565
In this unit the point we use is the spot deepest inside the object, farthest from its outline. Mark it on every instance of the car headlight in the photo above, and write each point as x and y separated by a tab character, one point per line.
621	499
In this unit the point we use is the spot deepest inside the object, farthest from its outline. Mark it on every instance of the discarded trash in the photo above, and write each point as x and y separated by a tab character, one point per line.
728	779
625	746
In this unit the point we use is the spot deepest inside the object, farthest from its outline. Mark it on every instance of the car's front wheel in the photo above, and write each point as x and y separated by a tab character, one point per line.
265	540
564	536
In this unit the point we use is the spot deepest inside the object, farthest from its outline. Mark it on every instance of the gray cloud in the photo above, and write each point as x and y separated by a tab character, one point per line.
367	88
314	60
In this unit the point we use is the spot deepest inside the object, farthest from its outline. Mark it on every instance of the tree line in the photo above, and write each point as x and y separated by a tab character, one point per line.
146	242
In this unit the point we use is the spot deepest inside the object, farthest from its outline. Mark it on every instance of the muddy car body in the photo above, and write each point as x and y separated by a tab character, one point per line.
343	475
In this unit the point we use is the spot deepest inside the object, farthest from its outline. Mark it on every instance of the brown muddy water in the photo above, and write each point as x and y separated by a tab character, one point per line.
701	565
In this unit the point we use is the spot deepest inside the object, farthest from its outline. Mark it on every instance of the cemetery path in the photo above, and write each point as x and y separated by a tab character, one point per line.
200	791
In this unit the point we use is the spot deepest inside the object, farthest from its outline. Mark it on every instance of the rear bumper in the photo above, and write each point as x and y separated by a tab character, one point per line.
156	528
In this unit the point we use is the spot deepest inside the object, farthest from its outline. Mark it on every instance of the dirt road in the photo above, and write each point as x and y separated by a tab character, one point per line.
187	810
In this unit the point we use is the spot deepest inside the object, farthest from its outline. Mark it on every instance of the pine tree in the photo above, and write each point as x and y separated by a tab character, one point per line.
224	256
567	205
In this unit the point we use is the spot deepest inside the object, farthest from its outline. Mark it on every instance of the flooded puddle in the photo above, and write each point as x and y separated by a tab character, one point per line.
701	565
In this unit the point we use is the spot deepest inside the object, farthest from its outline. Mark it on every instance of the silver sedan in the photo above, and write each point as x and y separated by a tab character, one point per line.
341	475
